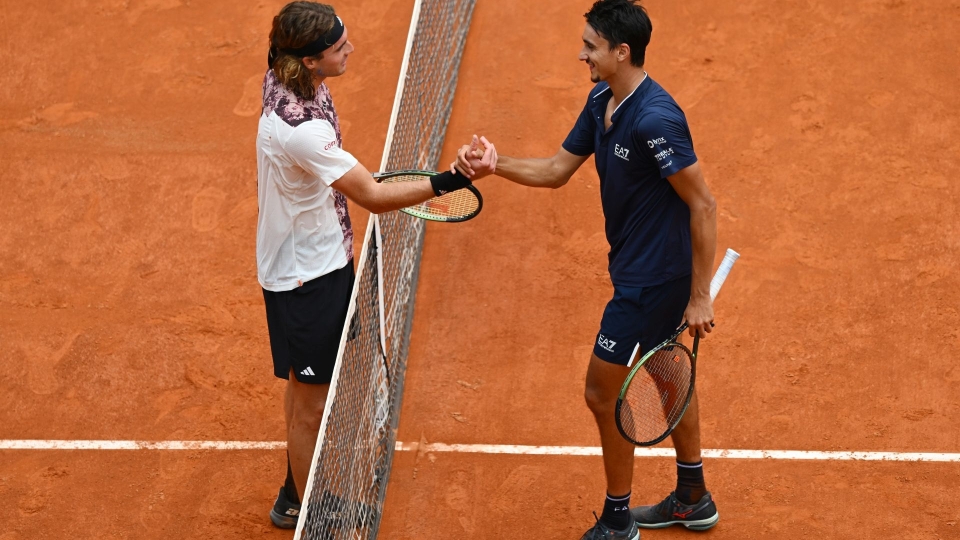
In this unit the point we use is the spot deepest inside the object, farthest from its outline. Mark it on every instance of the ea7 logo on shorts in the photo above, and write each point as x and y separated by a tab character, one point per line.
607	344
621	152
654	142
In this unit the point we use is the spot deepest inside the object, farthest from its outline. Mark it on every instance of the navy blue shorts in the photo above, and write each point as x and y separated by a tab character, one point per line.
640	318
305	326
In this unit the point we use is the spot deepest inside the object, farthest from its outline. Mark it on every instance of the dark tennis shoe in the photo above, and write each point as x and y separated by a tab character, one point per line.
602	532
284	513
696	517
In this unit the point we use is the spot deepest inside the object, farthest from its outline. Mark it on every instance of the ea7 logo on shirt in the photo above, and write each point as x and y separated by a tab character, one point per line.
621	152
654	142
606	343
330	145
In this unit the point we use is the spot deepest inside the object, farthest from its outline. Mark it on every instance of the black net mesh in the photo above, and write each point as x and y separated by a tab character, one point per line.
352	463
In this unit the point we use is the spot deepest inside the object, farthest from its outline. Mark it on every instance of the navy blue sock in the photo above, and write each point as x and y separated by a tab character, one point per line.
616	512
690	485
289	486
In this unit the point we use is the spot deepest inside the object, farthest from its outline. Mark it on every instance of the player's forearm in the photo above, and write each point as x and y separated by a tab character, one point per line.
360	187
533	172
703	238
387	197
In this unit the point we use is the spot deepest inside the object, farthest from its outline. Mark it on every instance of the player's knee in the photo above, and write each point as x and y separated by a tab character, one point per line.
308	414
307	418
597	400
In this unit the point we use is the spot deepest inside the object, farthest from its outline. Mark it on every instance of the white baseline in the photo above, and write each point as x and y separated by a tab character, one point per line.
808	455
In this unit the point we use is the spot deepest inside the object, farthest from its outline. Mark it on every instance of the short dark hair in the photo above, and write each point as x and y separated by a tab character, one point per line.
622	21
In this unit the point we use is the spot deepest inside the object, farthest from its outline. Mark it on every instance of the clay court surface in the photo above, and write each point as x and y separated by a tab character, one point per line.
130	310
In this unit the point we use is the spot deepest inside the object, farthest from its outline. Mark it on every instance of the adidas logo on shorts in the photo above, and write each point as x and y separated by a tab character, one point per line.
308	371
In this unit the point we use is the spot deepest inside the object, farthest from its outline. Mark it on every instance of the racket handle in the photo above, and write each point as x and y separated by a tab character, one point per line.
725	265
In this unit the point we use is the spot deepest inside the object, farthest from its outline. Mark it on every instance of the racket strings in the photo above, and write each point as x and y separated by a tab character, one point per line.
455	204
657	395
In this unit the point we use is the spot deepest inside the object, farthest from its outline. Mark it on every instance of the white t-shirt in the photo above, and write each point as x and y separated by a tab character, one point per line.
303	229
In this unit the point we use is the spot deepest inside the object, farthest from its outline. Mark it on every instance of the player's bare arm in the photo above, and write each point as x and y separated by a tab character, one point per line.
360	187
552	172
692	188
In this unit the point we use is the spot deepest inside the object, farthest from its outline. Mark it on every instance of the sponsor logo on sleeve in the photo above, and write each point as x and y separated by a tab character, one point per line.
662	155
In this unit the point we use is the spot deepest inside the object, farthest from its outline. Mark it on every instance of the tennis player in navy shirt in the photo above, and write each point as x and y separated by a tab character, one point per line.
662	229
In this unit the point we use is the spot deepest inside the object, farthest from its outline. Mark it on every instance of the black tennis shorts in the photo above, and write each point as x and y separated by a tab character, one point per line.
305	325
638	319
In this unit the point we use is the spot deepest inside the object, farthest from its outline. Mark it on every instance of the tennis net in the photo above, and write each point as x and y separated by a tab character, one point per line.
351	463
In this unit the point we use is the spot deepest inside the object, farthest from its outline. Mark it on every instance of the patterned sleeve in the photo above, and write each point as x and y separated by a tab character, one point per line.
313	146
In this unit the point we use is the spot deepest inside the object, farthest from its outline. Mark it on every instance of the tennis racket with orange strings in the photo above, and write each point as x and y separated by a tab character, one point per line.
455	206
658	389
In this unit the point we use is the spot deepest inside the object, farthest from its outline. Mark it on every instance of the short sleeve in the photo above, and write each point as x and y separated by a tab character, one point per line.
313	146
580	141
666	139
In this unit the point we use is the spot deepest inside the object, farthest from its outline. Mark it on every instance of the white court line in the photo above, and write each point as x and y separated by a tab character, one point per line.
812	455
140	445
809	455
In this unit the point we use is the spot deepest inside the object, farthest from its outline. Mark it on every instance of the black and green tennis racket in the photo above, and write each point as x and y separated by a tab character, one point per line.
658	389
455	206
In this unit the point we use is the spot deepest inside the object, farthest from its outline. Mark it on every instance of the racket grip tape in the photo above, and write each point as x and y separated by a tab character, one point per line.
447	181
725	265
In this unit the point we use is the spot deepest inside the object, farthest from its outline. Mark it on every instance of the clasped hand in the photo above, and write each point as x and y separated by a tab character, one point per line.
476	160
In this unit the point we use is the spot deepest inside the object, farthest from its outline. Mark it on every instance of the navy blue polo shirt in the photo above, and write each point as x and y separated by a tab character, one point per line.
647	223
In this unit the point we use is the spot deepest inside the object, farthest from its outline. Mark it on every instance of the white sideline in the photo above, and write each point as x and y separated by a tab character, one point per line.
812	455
809	455
140	445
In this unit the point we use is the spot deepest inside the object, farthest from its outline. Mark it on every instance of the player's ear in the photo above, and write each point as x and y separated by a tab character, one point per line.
311	62
623	53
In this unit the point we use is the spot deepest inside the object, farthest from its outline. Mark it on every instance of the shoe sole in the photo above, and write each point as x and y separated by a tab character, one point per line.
282	522
698	525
